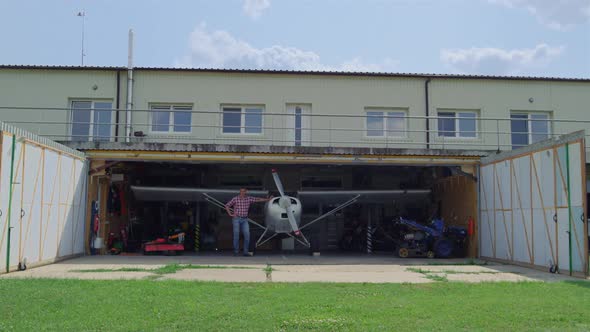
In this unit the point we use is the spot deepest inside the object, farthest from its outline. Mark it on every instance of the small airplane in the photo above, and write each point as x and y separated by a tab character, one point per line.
282	213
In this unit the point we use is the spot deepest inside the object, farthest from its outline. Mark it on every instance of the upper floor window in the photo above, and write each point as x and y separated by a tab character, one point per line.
386	122
242	119
91	120
171	119
461	124
528	128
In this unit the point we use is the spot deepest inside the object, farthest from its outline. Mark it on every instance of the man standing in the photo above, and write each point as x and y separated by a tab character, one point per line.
241	205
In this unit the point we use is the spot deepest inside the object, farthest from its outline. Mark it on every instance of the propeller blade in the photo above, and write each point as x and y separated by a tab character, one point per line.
286	202
278	183
292	221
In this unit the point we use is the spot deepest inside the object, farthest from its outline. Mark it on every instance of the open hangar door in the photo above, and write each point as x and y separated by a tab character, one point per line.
165	197
456	199
533	203
42	200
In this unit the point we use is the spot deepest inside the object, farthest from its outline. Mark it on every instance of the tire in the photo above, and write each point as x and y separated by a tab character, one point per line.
403	252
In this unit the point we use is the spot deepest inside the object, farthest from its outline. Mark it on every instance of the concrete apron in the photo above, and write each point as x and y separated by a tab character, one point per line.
345	269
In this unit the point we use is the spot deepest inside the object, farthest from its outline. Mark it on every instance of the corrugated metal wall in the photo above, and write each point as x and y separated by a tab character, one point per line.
48	204
532	206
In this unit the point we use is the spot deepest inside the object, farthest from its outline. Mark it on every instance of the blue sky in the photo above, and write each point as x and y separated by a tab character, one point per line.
498	37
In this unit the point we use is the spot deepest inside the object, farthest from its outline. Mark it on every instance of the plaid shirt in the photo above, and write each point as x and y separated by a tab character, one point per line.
241	205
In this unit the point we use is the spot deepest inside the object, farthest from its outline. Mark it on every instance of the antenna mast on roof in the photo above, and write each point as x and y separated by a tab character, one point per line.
82	14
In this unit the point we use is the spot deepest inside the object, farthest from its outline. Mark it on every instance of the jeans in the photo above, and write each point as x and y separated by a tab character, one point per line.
241	223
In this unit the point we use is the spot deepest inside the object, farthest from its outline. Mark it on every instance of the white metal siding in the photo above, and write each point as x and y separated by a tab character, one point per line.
527	216
48	203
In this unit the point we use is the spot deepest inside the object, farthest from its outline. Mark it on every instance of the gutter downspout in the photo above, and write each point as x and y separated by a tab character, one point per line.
118	105
11	189
129	88
427	112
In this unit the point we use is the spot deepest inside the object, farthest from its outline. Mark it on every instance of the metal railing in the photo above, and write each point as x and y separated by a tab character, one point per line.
280	129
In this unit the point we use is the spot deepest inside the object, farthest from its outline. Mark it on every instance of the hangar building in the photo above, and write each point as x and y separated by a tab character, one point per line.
503	156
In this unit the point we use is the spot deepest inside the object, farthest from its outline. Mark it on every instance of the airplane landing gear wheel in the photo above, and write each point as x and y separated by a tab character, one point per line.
403	252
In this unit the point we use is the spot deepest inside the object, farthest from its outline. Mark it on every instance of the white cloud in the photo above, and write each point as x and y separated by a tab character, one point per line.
219	49
254	8
557	14
496	61
358	65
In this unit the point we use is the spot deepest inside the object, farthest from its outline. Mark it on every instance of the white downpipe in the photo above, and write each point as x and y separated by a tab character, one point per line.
129	88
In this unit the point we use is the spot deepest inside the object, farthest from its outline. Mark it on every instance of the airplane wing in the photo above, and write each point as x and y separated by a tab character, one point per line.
365	196
175	194
345	198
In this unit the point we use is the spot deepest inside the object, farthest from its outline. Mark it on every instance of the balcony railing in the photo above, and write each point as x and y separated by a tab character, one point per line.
287	129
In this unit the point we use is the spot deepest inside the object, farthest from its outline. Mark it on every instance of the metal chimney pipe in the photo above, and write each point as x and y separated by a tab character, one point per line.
129	88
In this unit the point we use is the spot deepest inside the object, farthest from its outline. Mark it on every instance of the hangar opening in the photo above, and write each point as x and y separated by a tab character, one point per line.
526	206
360	207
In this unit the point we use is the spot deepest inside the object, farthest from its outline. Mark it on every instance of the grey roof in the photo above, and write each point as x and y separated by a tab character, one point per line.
61	67
301	72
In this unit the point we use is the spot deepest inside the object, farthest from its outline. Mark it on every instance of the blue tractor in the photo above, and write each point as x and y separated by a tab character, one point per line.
434	240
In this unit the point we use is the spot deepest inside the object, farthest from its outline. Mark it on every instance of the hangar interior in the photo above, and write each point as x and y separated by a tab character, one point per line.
418	193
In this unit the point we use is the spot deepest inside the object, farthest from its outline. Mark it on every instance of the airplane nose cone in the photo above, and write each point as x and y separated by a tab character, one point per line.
284	202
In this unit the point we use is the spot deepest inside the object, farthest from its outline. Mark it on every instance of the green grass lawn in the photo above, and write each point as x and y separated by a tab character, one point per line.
144	305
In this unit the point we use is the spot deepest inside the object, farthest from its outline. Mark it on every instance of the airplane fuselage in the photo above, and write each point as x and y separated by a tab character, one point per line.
276	218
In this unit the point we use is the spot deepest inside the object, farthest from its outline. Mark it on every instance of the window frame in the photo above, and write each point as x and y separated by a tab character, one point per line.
172	109
457	119
529	121
305	128
386	133
92	124
243	112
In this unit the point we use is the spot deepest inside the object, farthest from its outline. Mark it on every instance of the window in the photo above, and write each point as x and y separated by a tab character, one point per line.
382	123
91	120
457	124
242	119
528	128
298	114
171	118
298	124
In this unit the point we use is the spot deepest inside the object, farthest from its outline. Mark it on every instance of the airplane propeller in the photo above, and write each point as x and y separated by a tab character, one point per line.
285	203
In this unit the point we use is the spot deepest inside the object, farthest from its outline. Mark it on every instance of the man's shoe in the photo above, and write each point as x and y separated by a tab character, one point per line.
235	254
247	255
